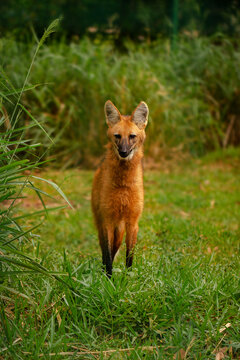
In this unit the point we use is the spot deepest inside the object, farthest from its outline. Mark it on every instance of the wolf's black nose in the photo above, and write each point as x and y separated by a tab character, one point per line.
123	154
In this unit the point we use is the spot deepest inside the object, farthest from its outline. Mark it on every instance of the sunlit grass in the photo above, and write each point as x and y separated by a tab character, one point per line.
182	288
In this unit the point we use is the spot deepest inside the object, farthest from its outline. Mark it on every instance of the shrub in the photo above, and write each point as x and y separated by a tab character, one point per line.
15	177
192	93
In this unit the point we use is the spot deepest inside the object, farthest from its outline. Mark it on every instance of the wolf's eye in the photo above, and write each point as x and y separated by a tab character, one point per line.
132	136
117	136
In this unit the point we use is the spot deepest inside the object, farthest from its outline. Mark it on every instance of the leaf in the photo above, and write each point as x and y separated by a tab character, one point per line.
36	121
56	187
180	355
209	250
59	319
220	355
223	328
18	293
212	204
20	235
184	214
18	91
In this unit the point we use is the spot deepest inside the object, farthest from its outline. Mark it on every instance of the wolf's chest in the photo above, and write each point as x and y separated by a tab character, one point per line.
122	197
123	201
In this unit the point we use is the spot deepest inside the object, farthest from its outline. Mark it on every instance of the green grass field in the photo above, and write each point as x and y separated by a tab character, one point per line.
182	290
181	298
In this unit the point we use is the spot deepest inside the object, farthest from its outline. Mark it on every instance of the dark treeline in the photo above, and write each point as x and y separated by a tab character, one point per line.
134	18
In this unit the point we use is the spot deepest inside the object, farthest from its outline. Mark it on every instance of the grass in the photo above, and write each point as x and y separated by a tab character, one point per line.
192	93
182	289
55	302
15	178
16	175
15	172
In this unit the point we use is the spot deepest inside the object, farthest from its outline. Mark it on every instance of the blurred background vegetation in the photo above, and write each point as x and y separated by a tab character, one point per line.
129	18
181	57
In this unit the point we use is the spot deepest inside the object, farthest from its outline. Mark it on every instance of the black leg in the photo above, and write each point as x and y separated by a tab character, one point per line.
129	258
107	260
131	239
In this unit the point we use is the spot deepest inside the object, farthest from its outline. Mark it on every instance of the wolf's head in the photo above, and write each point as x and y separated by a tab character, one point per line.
126	132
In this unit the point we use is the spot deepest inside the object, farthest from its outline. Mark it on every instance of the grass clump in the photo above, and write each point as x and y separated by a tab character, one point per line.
17	238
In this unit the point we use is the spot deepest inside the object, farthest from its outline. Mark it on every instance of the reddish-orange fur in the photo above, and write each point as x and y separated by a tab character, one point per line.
117	193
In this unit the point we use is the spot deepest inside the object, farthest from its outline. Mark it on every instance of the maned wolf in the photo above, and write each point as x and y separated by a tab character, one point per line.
117	193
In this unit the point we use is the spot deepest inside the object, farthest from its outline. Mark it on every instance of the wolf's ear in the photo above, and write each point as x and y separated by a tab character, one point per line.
112	114
140	115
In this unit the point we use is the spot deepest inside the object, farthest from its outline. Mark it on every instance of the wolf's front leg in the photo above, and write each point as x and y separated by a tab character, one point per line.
131	239
106	240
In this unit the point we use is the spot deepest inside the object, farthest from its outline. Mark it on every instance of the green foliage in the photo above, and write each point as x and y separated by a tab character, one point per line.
192	93
182	289
122	18
16	178
184	285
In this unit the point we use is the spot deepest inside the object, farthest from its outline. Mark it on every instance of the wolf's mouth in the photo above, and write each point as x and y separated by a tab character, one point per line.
126	154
